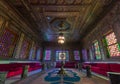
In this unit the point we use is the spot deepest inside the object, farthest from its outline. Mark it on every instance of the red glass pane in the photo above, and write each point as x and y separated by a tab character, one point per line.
111	39
113	50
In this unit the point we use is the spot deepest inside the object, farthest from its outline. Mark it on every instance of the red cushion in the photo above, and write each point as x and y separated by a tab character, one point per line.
16	68
115	67
103	66
67	64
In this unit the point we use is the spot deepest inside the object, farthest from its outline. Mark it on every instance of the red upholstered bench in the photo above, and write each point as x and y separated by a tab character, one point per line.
86	64
35	67
67	64
114	67
16	68
58	64
103	68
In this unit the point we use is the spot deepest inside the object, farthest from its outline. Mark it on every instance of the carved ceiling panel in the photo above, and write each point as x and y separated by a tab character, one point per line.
76	15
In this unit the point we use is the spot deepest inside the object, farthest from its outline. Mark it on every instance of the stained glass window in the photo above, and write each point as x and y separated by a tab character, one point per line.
34	51
25	49
97	50
84	54
58	55
38	53
7	43
76	55
47	55
90	54
112	45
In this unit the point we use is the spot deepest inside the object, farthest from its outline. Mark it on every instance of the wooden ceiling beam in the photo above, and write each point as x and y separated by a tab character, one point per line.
61	14
56	5
60	5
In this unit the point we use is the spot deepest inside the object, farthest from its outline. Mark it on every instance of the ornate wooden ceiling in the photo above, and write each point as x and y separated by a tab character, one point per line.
75	16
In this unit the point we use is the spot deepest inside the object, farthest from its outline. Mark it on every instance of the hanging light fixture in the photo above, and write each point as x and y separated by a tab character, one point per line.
61	38
60	41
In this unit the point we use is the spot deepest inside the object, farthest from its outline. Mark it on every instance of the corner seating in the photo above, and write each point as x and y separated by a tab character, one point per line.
14	69
103	68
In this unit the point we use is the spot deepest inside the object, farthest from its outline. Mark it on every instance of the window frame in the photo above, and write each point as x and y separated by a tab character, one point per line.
94	47
106	45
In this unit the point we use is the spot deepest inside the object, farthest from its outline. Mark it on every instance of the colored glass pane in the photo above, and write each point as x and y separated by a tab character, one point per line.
113	46
111	39
38	54
24	49
97	50
47	54
76	55
84	54
113	50
58	55
7	43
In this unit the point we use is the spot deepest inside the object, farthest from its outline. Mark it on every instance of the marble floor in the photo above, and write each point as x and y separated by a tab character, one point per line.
39	79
